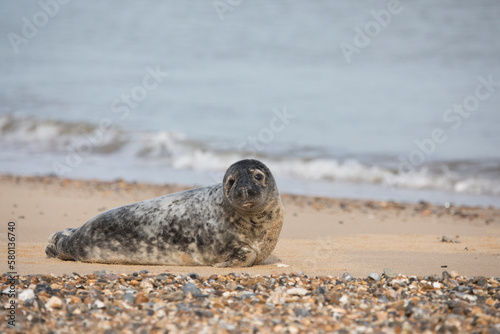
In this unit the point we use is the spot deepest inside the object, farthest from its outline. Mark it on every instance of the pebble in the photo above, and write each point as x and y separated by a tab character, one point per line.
98	304
140	298
192	289
242	303
445	238
129	298
347	277
390	274
297	291
194	275
54	303
26	294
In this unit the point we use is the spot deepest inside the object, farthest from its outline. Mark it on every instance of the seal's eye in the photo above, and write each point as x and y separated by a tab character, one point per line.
230	183
259	177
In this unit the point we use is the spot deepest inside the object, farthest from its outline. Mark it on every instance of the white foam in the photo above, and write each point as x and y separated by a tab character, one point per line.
175	150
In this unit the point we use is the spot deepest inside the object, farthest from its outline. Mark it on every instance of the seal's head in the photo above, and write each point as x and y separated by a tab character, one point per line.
249	186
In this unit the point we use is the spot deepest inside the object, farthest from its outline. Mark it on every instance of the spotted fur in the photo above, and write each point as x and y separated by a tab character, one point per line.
233	224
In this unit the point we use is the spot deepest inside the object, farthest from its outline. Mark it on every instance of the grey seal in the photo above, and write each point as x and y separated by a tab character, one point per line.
235	223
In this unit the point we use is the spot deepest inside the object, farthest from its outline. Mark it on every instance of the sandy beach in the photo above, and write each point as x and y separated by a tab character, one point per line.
320	236
340	266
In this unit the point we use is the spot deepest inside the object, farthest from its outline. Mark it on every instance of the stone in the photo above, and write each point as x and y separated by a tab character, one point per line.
447	239
26	295
347	277
297	291
54	303
98	305
390	274
128	298
192	289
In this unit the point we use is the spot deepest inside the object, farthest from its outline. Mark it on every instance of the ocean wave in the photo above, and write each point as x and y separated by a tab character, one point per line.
176	150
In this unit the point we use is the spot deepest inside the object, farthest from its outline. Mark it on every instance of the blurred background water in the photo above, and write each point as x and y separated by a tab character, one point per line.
85	94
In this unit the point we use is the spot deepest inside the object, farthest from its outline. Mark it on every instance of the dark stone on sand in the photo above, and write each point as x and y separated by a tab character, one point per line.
446	276
44	287
194	275
191	288
129	298
301	312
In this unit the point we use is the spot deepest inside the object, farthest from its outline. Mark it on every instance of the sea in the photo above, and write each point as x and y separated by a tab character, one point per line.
384	100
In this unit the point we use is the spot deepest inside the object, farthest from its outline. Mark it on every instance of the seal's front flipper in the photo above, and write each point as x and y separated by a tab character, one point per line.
245	257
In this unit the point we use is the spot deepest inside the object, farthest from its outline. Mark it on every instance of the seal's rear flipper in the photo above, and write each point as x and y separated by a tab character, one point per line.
53	249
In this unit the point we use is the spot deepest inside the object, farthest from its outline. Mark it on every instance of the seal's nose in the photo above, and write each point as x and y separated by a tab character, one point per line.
246	192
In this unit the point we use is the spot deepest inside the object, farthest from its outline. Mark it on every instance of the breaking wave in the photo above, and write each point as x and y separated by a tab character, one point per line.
173	149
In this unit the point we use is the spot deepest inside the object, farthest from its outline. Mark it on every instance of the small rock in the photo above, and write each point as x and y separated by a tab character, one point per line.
344	299
98	304
382	300
320	291
374	276
43	287
462	289
465	296
445	238
481	281
301	312
277	297
25	295
54	303
228	327
128	298
231	286
347	277
191	288
102	272
111	277
140	298
437	285
175	296
297	291
194	275
389	274
399	282
246	295
146	284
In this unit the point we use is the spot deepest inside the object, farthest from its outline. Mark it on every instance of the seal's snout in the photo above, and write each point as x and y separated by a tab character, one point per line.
246	192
